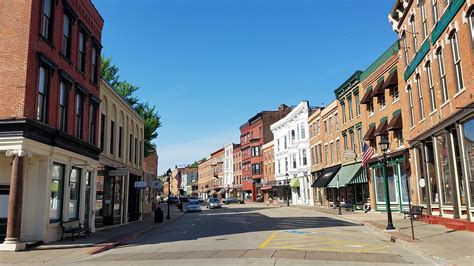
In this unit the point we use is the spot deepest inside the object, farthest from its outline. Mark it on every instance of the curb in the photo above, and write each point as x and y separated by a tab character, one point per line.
108	244
403	243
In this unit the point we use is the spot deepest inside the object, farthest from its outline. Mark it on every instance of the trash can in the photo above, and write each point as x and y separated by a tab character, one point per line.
158	215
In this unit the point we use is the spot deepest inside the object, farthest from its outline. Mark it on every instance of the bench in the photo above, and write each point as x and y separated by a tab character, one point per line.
73	228
413	212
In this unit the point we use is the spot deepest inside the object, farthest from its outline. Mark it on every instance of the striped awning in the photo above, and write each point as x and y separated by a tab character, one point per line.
345	174
361	178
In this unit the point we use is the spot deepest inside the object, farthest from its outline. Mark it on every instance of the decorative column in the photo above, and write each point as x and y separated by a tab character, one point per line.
15	202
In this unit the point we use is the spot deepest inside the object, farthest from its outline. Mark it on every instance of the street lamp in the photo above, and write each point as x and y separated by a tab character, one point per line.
168	174
287	190
338	196
384	144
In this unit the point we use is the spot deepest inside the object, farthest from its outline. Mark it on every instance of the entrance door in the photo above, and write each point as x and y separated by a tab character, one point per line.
87	206
4	192
133	199
108	201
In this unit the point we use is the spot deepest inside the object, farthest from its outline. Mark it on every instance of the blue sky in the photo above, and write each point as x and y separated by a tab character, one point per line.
208	65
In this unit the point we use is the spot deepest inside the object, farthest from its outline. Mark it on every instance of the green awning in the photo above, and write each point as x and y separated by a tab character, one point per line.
346	174
295	182
361	178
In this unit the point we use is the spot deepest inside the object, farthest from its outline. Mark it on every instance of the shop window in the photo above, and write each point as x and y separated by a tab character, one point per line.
74	192
379	184
422	191
56	199
403	183
468	128
431	171
444	168
458	166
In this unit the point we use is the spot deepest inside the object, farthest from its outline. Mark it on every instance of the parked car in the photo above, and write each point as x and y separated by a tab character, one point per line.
231	200
213	203
174	200
193	206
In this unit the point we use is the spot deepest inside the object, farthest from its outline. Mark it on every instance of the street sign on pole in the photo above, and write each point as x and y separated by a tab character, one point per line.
140	184
157	184
118	172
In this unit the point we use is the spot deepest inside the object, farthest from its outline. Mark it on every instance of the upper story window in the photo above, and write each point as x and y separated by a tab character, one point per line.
349	105
456	61
285	144
442	75
325	127
332	152
43	93
120	141
395	93
92	122
326	154
423	20
66	39
47	30
318	126
346	145
336	122
370	108
338	150
112	136
63	103
293	136
410	102
311	131
330	125
414	33
255	151
434	5
343	108
294	161
357	103
405	48
79	114
382	101
303	131
102	131
429	74
94	65
353	145
81	55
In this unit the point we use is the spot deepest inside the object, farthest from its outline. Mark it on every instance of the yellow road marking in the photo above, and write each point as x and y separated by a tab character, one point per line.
266	242
306	245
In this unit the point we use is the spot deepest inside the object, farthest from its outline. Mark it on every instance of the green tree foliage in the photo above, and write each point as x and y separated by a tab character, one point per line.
110	73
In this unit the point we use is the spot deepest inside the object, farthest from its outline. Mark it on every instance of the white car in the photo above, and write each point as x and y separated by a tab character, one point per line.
193	206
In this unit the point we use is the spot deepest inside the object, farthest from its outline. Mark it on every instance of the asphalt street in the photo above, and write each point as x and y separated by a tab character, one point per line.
256	234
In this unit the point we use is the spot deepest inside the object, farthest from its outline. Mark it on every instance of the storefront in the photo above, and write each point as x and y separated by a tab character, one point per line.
323	178
397	184
109	197
445	168
351	184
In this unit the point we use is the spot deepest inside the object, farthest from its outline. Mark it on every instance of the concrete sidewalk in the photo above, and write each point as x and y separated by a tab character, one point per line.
450	246
102	240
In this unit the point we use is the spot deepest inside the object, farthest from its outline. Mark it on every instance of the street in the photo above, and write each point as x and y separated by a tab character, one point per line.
256	234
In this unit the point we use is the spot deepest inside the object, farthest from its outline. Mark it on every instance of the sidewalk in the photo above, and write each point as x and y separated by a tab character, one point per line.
67	250
450	246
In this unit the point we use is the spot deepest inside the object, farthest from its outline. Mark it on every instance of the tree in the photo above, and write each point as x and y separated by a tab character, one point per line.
110	73
152	123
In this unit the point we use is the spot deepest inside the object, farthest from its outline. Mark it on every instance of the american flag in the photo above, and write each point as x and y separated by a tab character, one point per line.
367	153
178	179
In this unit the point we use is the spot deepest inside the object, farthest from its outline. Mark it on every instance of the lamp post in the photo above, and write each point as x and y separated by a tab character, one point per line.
384	147
287	191
168	174
338	196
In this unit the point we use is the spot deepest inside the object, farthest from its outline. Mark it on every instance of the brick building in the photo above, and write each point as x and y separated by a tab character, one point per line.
150	174
269	182
382	118
204	178
237	171
325	139
436	66
217	181
49	68
253	135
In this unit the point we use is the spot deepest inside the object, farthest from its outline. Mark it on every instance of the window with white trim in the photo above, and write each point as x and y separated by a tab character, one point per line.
434	5
43	91
429	74
405	48
420	97
414	33
423	20
456	61
442	75
410	102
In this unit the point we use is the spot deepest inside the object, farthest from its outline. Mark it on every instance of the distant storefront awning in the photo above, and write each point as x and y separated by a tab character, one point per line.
392	80
370	134
326	176
295	182
382	128
395	123
345	174
367	98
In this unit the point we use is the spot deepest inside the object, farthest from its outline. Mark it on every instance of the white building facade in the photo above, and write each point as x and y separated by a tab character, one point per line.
228	168
291	152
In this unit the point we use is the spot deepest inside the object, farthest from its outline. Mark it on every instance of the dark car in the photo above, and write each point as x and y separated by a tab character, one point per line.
231	200
174	200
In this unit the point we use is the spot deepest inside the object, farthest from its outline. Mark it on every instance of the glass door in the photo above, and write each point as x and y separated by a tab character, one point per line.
87	203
